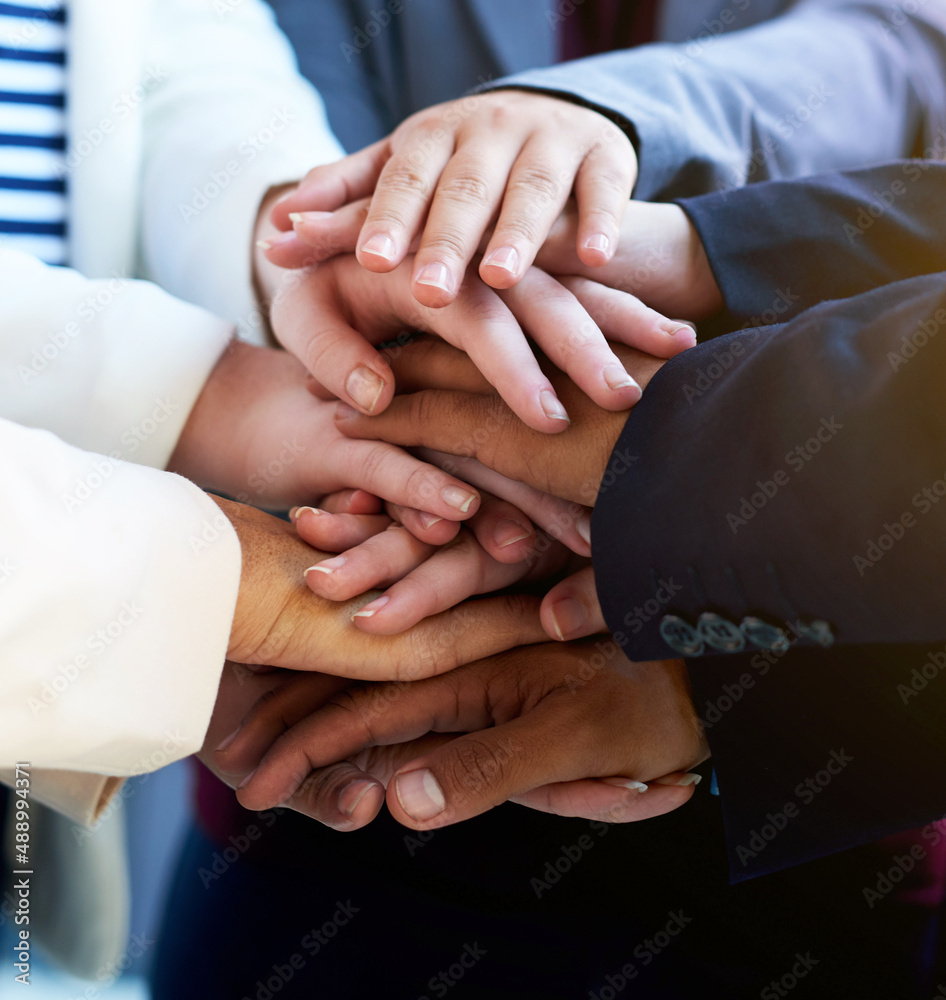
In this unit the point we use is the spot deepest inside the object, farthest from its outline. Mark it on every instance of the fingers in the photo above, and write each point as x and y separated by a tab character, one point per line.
571	339
602	189
349	502
389	472
429	362
316	236
611	800
273	714
450	575
571	610
467	197
310	323
401	197
332	185
375	562
341	796
567	522
623	318
336	532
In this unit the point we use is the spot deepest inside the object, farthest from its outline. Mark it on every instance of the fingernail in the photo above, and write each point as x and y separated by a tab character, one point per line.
568	616
685	328
509	532
552	405
598	242
369	609
460	500
435	275
295	217
420	795
277	240
379	246
506	258
351	795
295	513
223	746
687	779
247	779
429	520
365	388
583	527
617	378
327	565
625	783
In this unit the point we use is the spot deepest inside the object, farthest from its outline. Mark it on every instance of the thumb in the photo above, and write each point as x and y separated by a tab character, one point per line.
571	610
475	772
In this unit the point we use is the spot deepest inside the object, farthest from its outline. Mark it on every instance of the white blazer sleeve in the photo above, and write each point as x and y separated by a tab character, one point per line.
230	119
117	582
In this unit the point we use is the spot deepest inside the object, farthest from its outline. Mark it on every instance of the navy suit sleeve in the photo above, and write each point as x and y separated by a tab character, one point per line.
792	473
780	247
830	85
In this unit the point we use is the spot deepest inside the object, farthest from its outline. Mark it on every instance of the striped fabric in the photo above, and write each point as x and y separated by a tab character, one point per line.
33	128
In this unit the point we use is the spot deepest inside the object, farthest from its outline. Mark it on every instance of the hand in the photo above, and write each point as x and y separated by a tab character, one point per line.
280	622
349	800
257	434
500	548
569	465
534	718
660	259
331	316
446	172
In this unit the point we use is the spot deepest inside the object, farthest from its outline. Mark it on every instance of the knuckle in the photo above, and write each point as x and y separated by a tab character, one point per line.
476	766
465	189
535	180
446	242
405	179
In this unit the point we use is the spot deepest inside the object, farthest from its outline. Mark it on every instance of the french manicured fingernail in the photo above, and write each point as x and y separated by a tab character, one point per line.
420	795
552	406
327	565
351	795
687	779
223	746
379	246
365	388
369	609
598	242
509	532
295	217
247	779
435	275
460	500
617	378
625	783
429	520
568	616
277	240
583	527
296	512
506	258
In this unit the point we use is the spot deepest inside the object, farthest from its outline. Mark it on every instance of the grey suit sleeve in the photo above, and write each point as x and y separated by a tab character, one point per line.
830	85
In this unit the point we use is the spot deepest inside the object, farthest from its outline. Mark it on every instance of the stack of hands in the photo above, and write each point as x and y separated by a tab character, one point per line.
448	459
